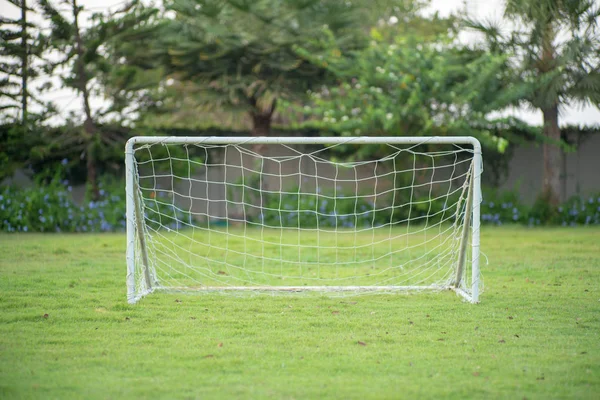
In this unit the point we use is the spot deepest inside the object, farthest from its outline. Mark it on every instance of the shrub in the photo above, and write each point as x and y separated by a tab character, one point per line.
580	211
504	207
49	207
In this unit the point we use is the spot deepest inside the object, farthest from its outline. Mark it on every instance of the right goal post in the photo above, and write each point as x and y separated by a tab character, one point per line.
337	215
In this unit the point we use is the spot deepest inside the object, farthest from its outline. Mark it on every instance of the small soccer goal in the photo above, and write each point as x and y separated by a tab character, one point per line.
335	215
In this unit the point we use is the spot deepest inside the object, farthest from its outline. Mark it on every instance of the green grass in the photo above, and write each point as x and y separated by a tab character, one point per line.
66	330
292	257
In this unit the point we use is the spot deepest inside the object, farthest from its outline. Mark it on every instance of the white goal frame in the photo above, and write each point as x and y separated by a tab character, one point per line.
470	231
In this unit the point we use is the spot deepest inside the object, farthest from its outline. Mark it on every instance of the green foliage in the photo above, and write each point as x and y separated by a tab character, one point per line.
323	211
48	207
554	49
505	207
93	55
414	87
550	67
15	145
20	51
338	208
245	56
580	211
560	70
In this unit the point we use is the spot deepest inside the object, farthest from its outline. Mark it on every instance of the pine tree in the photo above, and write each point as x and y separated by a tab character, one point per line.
87	67
20	46
21	110
248	54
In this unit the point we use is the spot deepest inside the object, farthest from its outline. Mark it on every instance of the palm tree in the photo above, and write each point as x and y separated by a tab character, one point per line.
556	49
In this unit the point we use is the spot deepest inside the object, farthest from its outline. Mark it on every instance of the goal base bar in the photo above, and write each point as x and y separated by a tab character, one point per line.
323	289
464	295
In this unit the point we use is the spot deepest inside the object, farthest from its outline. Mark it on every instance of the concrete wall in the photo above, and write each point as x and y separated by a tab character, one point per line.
581	175
214	189
580	171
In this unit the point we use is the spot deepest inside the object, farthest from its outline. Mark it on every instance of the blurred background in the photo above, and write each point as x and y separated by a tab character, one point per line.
79	77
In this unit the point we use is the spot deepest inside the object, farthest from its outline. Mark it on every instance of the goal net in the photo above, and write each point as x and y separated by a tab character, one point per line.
335	215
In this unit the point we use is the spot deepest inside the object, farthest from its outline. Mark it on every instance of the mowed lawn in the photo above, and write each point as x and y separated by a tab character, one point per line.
66	330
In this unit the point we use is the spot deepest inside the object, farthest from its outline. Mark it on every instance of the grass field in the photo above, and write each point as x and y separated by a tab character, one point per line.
66	330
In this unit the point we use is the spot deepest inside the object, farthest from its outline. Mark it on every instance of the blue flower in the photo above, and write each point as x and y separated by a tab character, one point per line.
102	192
42	219
25	229
70	188
2	197
491	204
64	161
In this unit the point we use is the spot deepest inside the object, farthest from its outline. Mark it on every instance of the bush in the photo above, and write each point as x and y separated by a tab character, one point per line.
580	211
500	208
306	210
49	207
312	210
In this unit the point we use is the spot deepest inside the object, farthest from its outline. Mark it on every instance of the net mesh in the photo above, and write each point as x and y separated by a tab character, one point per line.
304	217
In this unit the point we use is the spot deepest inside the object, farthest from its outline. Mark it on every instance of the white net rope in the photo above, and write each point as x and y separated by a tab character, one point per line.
289	218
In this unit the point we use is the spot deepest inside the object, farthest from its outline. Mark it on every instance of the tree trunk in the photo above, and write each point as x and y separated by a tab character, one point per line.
88	125
261	124
261	118
24	63
92	173
552	157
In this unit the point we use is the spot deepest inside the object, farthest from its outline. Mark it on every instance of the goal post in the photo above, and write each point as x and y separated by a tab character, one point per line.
338	215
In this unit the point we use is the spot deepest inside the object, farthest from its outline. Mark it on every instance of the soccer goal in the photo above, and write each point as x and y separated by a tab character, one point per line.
335	215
